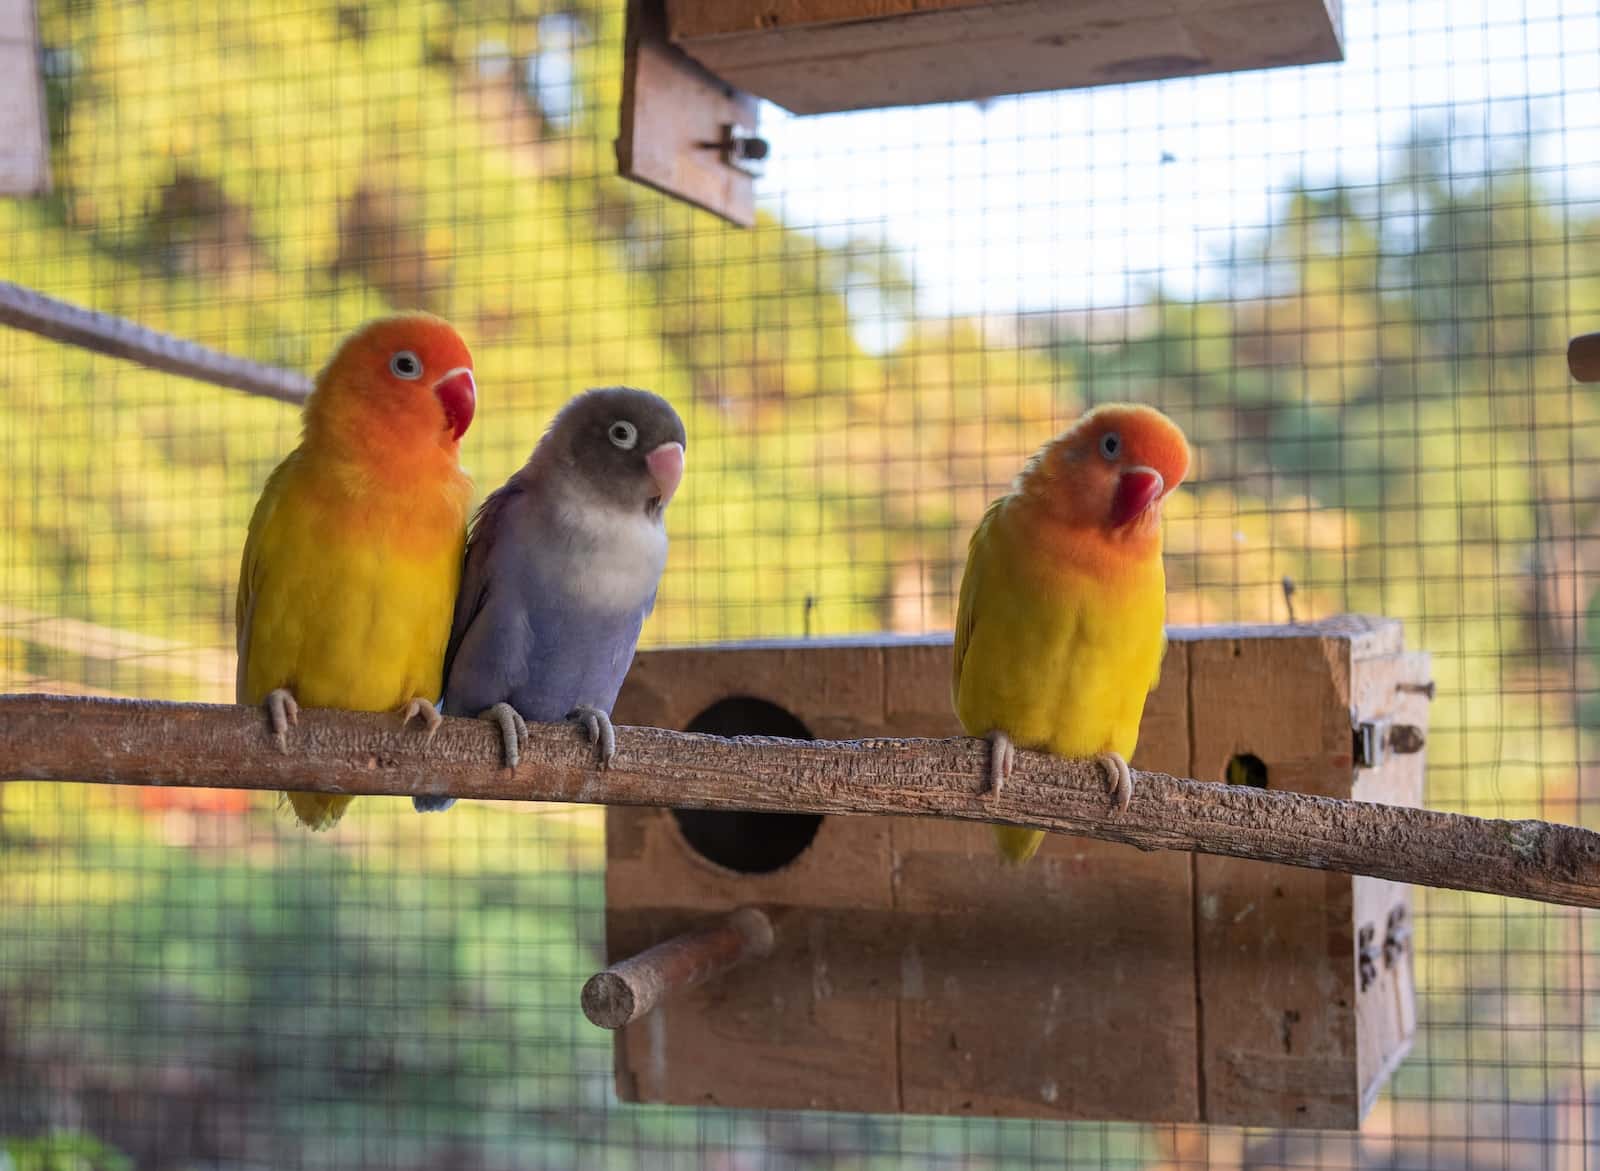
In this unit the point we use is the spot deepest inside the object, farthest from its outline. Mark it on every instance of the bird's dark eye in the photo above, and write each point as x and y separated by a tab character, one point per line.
1111	445
406	365
623	434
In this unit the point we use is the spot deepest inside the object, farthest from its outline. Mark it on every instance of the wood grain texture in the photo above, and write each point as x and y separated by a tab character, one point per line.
140	742
1275	946
816	56
890	1007
1291	1030
1050	950
811	1029
631	988
894	1007
672	110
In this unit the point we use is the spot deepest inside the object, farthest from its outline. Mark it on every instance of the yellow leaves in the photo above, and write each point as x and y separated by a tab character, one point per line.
1227	555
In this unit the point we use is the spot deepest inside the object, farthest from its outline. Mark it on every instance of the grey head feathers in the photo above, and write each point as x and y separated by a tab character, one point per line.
603	440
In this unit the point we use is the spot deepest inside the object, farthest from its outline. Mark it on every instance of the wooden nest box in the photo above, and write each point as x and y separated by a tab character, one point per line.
914	972
817	56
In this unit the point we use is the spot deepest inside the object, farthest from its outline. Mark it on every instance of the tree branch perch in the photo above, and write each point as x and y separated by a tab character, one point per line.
118	337
136	742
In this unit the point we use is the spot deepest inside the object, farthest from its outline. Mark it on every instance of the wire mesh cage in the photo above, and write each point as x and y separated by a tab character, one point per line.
1351	283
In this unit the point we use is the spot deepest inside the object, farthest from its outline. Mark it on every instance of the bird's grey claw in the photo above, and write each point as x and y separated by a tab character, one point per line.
598	726
513	731
1119	779
1002	759
282	713
429	715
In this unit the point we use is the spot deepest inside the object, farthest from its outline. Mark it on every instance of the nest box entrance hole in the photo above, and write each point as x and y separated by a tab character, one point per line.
748	843
1247	769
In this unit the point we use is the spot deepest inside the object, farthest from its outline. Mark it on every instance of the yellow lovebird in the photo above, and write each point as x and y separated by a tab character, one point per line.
354	553
1061	627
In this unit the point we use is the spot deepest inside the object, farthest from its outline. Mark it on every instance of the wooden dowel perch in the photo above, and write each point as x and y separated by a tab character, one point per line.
626	991
135	742
120	338
1583	357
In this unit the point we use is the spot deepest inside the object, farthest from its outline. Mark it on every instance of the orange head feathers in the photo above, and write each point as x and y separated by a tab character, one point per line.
399	385
1109	472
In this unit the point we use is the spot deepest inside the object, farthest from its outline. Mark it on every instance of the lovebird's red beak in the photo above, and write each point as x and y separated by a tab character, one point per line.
665	465
1137	490
458	395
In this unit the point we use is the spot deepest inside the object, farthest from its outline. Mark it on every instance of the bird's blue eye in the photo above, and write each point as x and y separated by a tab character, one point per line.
623	434
406	365
1111	445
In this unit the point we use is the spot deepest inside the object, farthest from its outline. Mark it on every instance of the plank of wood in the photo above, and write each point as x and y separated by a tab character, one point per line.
1392	688
811	1005
709	18
1386	1013
808	1030
1290	1031
836	689
1275	946
817	56
24	134
673	114
1032	992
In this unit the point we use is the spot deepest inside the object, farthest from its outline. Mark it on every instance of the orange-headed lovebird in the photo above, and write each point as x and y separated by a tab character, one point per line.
354	552
1061	626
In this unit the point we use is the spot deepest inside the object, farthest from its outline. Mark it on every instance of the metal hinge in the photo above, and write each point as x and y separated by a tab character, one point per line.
1367	955
743	150
1396	936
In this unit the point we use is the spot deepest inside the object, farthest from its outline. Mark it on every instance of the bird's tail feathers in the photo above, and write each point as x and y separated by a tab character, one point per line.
317	811
1017	845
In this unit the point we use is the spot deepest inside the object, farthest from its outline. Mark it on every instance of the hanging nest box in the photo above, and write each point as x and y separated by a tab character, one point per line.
911	971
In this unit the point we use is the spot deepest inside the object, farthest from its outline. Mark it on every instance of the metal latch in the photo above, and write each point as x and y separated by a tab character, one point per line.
1375	739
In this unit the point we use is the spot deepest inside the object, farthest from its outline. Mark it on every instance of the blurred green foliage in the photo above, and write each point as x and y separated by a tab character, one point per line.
60	1151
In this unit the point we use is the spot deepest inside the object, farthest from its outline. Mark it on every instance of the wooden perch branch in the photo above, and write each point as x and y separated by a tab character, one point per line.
132	742
626	991
121	338
1583	357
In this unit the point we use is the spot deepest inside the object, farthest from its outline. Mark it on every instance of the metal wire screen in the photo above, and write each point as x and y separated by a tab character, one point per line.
1352	284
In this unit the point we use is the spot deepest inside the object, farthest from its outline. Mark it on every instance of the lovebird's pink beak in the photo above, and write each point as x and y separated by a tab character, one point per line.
665	465
1137	490
458	395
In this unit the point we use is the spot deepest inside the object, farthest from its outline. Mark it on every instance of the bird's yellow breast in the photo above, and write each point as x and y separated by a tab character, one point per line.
1059	659
347	600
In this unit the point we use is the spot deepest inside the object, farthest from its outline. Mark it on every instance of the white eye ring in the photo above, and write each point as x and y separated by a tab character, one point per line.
623	434
1111	445
406	365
